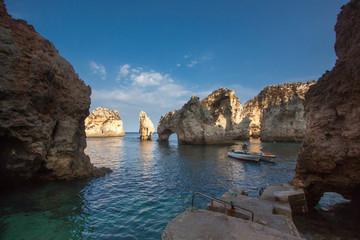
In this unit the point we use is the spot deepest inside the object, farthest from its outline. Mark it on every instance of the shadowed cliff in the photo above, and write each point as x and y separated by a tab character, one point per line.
42	111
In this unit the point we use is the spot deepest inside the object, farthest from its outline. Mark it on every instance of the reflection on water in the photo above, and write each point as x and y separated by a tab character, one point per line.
147	150
105	151
150	184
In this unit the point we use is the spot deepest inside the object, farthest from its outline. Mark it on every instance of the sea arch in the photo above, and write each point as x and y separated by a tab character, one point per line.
163	136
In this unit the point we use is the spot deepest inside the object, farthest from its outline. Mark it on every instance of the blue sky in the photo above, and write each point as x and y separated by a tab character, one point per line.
153	55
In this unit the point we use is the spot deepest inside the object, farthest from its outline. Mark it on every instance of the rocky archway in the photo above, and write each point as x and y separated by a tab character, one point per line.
164	135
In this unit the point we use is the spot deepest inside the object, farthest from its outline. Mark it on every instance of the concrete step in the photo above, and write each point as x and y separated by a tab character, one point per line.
265	212
203	224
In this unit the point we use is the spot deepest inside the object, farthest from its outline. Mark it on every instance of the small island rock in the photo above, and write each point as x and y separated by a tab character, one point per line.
103	122
146	126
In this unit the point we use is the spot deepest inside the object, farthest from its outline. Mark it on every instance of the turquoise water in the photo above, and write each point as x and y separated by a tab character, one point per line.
150	184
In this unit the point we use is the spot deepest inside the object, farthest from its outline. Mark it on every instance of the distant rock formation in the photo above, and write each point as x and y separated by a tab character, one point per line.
277	112
103	122
42	111
216	119
329	160
146	126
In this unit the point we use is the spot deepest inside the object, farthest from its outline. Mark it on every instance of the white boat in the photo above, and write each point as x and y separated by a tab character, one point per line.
245	156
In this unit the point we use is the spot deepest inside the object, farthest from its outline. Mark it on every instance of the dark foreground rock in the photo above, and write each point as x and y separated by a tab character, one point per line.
42	111
329	160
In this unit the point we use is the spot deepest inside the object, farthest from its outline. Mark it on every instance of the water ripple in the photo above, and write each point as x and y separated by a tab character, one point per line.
150	184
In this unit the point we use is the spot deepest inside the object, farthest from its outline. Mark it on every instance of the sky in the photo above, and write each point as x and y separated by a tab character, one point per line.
152	55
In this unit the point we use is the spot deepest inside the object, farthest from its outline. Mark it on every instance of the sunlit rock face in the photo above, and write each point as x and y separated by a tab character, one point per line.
42	111
103	122
146	126
329	160
216	119
277	112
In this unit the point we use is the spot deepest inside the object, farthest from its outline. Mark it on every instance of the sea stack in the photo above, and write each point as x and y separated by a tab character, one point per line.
216	119
103	122
42	111
277	112
329	160
146	126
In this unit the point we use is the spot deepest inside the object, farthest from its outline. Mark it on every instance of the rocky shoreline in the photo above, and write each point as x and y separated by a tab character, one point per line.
275	114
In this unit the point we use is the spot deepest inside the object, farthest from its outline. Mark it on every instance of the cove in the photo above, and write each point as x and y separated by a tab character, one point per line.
150	184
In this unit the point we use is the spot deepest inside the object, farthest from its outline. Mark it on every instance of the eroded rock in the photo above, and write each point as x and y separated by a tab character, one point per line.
146	126
277	112
103	122
42	111
216	119
329	160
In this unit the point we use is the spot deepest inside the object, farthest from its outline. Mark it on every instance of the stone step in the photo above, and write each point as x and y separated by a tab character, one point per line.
203	224
264	212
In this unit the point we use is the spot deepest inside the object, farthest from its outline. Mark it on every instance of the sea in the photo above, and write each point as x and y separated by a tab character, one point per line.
151	184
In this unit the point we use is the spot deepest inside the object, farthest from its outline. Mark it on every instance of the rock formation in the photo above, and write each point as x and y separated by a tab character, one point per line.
146	126
103	122
277	112
42	111
216	119
329	160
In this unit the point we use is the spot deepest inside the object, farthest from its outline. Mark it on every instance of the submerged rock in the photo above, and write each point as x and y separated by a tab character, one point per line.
277	112
146	126
216	119
103	122
42	111
329	160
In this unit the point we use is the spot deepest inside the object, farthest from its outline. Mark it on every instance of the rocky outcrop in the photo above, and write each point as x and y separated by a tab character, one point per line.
103	122
277	112
329	160
42	111
146	126
216	119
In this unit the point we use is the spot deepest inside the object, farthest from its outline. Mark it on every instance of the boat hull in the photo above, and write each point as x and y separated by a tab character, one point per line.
245	156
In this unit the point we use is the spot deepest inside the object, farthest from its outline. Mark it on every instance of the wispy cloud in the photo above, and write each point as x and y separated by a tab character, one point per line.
145	79
123	72
207	57
192	63
154	92
141	78
98	69
178	65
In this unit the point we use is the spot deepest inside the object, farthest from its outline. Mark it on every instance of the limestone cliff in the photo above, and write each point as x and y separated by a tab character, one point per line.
216	119
42	111
103	122
277	112
146	126
329	160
